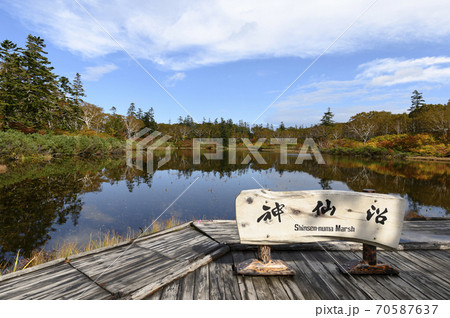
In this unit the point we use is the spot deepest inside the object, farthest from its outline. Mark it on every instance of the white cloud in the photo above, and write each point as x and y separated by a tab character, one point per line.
171	80
388	72
366	91
93	73
182	34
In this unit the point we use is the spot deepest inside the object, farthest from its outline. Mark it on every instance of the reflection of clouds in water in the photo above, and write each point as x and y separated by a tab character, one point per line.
91	213
295	181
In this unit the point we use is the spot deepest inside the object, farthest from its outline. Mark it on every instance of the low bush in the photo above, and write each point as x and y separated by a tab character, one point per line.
17	145
420	144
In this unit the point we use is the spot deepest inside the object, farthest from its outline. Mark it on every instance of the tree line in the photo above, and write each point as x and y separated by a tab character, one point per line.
33	98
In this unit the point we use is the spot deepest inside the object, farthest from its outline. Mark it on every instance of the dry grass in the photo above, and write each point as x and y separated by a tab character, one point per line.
67	249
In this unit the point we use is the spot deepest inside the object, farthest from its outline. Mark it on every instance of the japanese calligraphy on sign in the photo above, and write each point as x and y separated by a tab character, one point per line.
268	217
321	209
276	212
380	218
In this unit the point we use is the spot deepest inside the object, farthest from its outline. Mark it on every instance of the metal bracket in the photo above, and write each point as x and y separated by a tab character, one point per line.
369	264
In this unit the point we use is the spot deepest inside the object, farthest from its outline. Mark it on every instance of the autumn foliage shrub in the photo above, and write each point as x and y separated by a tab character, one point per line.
346	143
420	144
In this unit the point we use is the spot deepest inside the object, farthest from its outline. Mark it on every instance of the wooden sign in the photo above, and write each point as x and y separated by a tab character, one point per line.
268	218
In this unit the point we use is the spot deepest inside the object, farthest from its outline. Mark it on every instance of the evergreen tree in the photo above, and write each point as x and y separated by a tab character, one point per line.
327	118
11	83
282	127
139	113
64	111
416	102
131	110
40	85
78	90
188	121
148	118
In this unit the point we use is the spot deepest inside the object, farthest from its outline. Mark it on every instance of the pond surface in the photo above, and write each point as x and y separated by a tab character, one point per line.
42	205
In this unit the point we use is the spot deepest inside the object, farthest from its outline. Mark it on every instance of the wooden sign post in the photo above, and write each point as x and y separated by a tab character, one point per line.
269	218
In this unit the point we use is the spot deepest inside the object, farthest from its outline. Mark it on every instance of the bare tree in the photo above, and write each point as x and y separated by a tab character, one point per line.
91	115
439	119
132	125
363	125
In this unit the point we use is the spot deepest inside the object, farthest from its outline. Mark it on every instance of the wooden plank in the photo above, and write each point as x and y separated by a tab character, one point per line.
428	287
365	283
246	287
395	285
404	289
164	232
390	283
134	269
291	288
201	290
230	282
328	261
184	244
223	232
148	263
216	284
300	279
428	266
276	288
142	238
442	257
187	285
168	241
170	291
268	218
56	282
319	284
324	275
36	268
155	296
262	289
177	271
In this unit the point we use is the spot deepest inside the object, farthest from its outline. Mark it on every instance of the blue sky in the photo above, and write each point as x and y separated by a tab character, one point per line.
233	59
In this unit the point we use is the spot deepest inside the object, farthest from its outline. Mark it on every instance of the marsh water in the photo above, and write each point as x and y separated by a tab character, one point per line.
42	205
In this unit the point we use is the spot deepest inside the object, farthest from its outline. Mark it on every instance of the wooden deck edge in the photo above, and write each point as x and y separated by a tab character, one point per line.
96	251
184	270
215	221
405	246
32	269
343	246
140	239
195	227
172	229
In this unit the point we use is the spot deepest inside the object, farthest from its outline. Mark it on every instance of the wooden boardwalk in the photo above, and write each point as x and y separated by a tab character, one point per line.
194	261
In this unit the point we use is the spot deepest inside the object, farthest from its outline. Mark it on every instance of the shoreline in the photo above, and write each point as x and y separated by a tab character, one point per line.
47	158
419	158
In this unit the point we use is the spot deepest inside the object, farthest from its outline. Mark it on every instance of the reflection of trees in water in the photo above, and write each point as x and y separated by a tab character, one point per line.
325	184
424	183
35	198
30	208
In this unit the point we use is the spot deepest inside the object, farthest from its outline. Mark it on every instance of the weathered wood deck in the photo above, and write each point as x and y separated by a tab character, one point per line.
194	261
